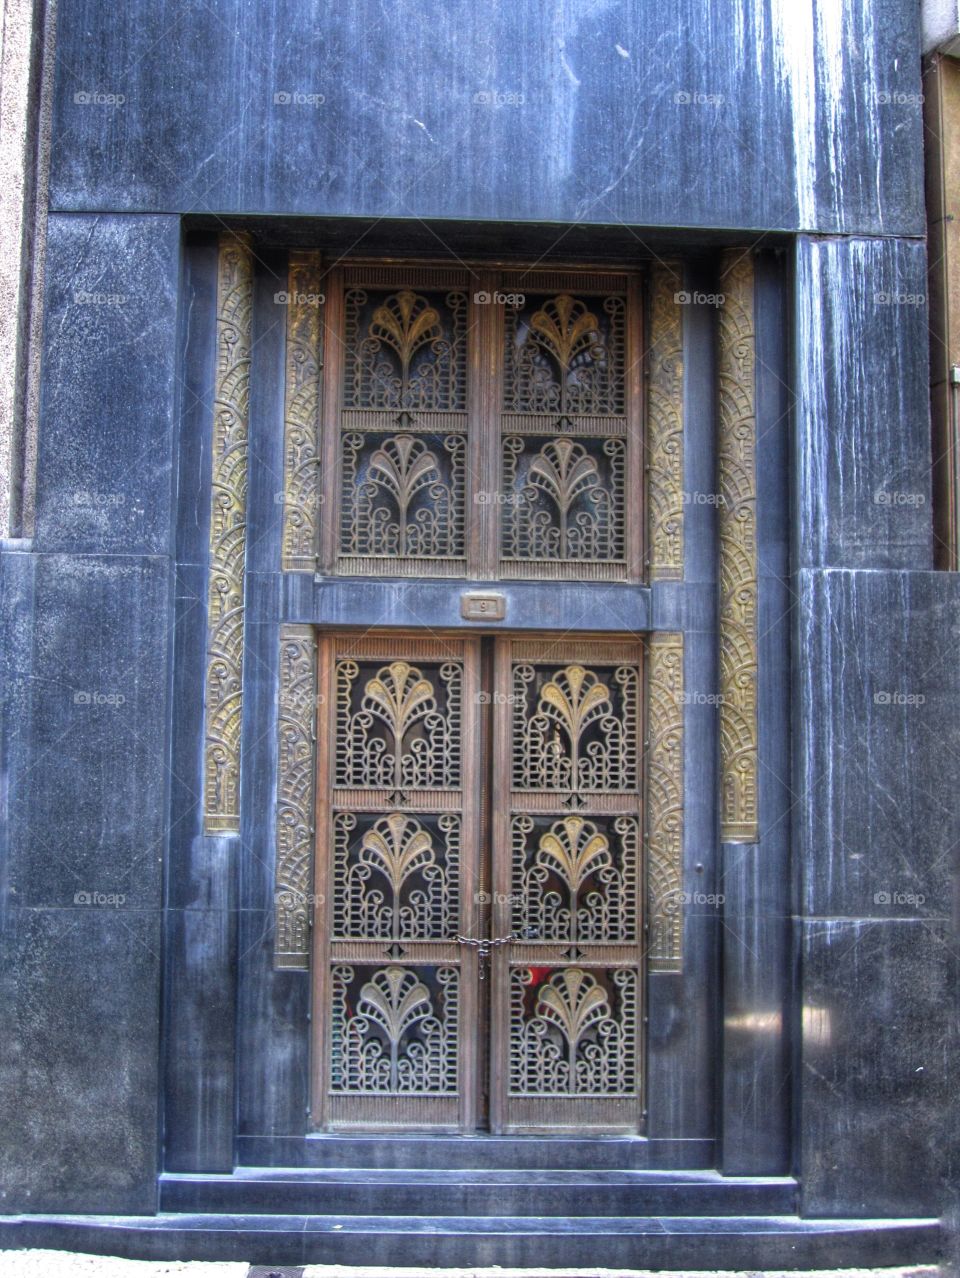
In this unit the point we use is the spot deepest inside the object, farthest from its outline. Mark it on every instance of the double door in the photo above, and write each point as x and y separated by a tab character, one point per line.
478	920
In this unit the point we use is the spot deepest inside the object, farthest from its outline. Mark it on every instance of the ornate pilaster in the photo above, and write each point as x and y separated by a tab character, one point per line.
665	425
665	801
228	513
296	771
739	815
301	444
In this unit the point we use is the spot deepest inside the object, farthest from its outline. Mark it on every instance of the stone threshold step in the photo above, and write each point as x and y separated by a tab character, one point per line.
444	1151
476	1175
667	1242
477	1192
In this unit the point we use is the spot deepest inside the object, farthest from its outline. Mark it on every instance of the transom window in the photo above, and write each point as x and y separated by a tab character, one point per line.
489	431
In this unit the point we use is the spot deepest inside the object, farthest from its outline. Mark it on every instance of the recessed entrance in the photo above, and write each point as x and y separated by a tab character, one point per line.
478	923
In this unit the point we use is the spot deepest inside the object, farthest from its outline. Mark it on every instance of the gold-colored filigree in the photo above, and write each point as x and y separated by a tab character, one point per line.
739	815
301	445
578	733
406	321
401	882
567	500
581	1037
296	766
399	695
577	882
395	1031
665	425
567	328
403	433
224	673
405	732
665	801
577	849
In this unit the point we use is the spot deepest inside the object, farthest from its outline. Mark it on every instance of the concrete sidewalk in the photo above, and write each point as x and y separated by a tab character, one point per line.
63	1264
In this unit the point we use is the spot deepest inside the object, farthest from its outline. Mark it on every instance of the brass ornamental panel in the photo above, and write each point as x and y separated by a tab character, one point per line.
739	758
482	423
567	998
223	692
397	869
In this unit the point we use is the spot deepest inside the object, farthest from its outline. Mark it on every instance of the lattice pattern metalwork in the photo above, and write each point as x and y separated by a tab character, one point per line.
575	880
399	840
394	1030
570	988
402	495
403	431
565	355
395	876
576	728
739	819
398	725
574	1033
565	454
228	524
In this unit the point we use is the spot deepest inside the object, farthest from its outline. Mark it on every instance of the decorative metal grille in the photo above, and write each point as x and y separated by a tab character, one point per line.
574	879
397	821
398	726
568	870
403	431
565	459
394	1030
465	437
576	728
573	1033
395	877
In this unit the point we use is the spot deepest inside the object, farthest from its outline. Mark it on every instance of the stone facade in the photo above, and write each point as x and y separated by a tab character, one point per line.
812	1031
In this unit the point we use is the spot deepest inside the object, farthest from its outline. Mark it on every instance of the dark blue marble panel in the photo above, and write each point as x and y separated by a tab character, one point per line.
109	385
785	113
862	444
877	757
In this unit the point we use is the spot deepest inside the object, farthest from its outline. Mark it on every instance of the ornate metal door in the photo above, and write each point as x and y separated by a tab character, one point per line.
411	863
397	828
567	997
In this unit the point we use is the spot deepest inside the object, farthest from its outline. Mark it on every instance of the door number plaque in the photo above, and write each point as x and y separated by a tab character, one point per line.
482	606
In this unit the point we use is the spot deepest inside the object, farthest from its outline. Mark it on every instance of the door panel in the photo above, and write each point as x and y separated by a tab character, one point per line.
567	999
397	816
411	863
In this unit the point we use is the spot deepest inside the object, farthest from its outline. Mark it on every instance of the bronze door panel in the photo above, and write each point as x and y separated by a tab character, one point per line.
479	968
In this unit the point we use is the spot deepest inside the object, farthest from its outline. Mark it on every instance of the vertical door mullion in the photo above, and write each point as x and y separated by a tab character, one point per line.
471	1033
500	886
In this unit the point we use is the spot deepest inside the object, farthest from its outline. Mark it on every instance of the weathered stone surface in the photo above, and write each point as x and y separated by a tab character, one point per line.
792	114
88	770
862	447
877	1076
109	385
79	994
877	758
